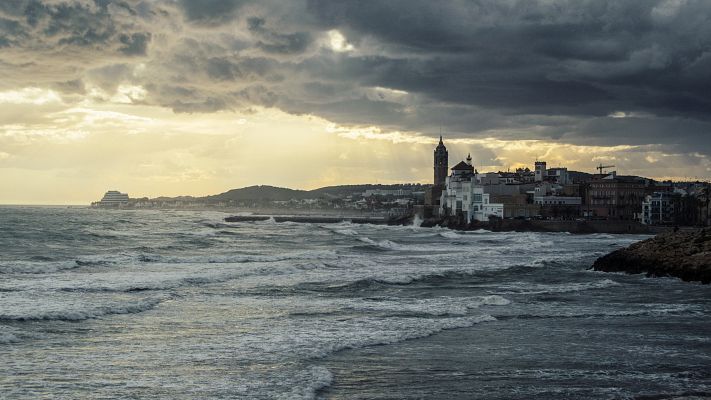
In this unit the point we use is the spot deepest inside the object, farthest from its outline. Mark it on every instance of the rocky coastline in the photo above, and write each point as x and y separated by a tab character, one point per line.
682	254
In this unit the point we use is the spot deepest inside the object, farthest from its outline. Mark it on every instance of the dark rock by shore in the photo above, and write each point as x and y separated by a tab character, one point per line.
685	255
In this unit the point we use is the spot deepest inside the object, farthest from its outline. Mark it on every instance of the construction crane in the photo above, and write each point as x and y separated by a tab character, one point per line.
601	167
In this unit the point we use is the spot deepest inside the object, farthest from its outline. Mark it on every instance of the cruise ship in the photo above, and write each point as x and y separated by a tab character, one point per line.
112	199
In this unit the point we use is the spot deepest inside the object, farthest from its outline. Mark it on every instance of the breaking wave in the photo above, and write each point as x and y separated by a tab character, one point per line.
534	288
75	311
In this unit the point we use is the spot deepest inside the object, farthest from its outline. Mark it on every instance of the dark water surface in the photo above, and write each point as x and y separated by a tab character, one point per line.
180	305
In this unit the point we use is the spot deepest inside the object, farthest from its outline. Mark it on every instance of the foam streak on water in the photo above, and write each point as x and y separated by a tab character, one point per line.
181	305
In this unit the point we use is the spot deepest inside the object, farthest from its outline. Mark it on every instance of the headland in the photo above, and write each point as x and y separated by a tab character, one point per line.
682	254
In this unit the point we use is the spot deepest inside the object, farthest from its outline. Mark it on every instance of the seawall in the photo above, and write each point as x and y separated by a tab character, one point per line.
572	226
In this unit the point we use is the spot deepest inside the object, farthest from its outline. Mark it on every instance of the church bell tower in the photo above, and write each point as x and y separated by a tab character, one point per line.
441	163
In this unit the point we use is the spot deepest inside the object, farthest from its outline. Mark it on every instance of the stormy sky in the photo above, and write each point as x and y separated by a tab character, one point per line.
199	96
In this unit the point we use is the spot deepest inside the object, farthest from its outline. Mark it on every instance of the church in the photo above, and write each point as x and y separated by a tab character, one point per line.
460	193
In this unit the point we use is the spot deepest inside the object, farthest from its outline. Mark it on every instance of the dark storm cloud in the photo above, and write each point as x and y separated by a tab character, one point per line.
60	40
134	44
273	42
211	11
529	57
510	68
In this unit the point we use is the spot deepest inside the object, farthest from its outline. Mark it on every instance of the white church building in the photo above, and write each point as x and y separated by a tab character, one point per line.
464	195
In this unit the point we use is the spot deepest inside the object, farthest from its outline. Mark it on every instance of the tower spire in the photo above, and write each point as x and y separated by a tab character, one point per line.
441	162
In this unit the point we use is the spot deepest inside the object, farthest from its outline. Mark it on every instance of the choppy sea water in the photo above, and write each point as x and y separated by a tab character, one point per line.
181	305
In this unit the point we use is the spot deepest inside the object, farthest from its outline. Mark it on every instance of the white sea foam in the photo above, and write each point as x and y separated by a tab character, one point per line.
20	306
322	340
437	306
387	244
8	335
450	235
533	288
563	310
308	383
319	337
479	231
346	232
35	267
383	244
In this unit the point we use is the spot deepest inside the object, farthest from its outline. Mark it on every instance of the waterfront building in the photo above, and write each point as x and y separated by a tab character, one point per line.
660	208
456	196
559	206
112	198
464	197
516	205
615	197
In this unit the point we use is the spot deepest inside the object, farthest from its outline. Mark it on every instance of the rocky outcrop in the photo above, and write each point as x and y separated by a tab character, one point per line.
685	255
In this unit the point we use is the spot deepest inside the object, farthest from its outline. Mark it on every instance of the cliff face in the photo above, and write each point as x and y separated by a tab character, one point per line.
685	255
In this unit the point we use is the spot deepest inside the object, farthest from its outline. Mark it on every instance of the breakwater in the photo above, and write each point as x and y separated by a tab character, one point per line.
685	255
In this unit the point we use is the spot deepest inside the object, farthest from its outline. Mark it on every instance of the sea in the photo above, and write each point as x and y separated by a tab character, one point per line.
158	304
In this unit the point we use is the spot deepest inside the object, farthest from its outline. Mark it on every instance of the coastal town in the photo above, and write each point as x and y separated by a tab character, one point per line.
460	195
463	193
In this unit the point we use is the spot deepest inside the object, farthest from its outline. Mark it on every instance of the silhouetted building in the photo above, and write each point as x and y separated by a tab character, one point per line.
540	171
615	197
434	193
441	164
112	198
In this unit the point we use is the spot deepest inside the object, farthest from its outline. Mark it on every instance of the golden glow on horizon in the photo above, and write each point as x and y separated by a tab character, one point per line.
58	151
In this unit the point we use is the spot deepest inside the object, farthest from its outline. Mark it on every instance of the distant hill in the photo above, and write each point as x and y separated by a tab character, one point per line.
273	193
264	193
345	190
